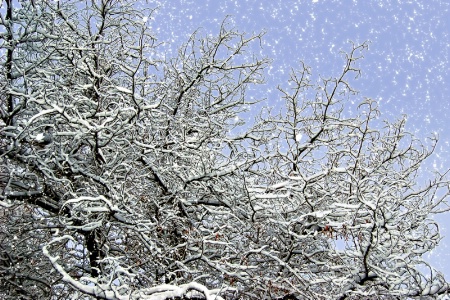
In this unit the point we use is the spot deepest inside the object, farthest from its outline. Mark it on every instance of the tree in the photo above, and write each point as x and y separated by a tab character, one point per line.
123	177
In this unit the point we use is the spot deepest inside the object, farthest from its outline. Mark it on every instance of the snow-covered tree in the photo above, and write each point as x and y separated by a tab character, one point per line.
128	175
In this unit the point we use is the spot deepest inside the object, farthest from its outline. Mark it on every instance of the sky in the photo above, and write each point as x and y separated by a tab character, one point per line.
406	68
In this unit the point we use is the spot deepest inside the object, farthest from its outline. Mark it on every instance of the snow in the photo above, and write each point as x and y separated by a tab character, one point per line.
123	90
155	187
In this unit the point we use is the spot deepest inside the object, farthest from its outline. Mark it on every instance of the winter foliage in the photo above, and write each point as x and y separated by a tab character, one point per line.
126	174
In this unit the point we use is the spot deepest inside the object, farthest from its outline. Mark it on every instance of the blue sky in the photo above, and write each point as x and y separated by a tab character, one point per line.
406	68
